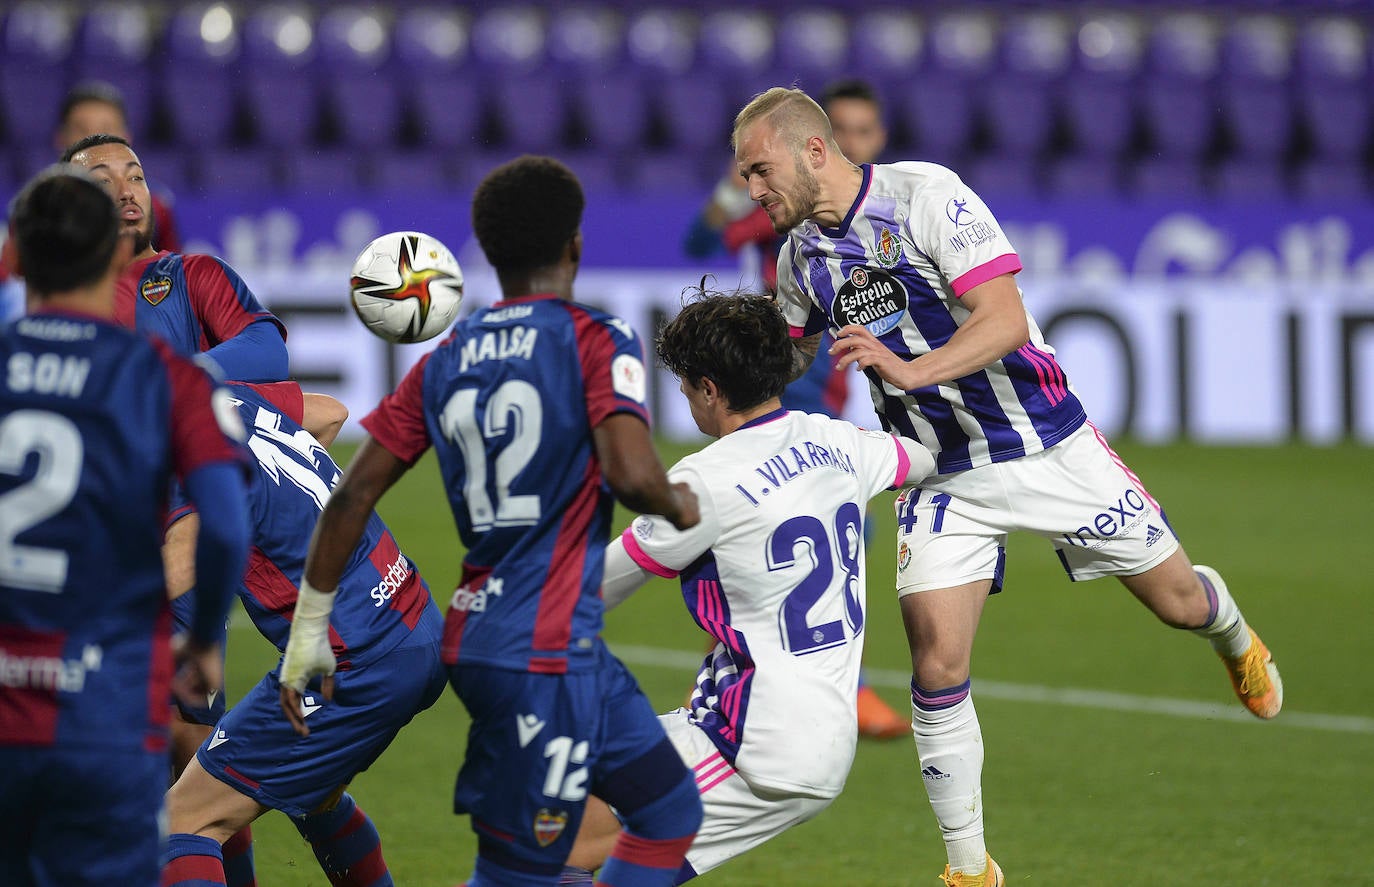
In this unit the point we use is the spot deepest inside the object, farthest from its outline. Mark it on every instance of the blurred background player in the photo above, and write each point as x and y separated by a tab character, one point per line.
770	732
89	108
94	423
732	221
537	402
385	626
918	259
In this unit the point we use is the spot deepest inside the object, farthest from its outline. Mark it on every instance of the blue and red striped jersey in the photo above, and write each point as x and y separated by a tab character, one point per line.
95	421
193	302
380	597
509	402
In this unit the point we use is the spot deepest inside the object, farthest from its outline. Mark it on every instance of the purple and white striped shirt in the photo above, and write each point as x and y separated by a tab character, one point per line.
915	240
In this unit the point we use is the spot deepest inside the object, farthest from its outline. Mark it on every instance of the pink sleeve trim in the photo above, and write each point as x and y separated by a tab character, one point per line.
639	557
796	332
903	464
1007	264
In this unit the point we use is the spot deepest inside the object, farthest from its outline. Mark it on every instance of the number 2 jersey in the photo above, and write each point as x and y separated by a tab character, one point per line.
381	596
915	240
775	573
509	401
95	421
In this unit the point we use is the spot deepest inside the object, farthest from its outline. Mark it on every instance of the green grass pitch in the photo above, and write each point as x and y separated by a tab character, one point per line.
1079	787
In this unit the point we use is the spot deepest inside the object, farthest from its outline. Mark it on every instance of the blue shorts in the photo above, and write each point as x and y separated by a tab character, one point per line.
255	751
80	818
208	715
538	744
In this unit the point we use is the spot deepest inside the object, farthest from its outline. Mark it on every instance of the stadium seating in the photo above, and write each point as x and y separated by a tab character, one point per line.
1229	98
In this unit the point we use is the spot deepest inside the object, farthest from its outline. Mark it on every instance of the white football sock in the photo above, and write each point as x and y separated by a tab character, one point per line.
1226	630
949	742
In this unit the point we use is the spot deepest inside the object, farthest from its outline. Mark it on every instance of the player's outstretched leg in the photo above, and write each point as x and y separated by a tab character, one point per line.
1254	676
347	845
949	742
192	861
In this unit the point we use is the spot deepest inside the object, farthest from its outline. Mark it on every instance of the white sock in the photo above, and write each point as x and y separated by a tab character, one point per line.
950	745
1226	629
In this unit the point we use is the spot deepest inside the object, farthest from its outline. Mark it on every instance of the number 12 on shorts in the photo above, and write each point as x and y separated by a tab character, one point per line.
906	510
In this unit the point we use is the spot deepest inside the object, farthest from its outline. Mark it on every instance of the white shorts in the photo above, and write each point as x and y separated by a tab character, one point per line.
737	818
1078	494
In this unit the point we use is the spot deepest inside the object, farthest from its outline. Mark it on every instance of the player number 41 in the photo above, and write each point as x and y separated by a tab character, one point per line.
906	511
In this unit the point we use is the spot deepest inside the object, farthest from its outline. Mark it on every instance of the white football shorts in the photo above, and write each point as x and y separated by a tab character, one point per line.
1078	494
737	818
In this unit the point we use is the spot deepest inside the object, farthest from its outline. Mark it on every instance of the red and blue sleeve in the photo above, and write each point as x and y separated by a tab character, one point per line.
244	338
613	371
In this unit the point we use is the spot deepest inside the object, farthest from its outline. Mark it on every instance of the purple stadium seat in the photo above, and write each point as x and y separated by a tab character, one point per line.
1165	178
33	52
1257	48
735	42
325	171
431	38
235	169
1019	115
412	172
1338	120
962	42
1035	45
531	108
1259	115
886	43
596	170
284	106
1246	179
586	38
166	170
448	108
1183	47
812	47
280	94
1085	175
1179	116
510	39
1100	113
695	112
999	177
366	105
197	75
679	171
1110	46
613	108
352	38
113	44
662	40
1333	51
937	111
1325	181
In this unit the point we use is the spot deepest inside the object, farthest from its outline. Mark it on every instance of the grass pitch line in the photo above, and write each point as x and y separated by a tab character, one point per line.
1075	697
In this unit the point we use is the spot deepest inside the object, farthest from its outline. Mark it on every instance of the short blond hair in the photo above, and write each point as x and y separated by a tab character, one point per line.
794	114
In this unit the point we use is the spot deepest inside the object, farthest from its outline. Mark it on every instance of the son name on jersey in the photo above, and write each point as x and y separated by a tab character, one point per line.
792	463
518	341
47	373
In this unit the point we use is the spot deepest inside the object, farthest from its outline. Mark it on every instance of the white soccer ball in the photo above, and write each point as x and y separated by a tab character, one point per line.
406	287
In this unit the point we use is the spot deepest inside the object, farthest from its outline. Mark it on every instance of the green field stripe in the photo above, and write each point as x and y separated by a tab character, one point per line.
1076	697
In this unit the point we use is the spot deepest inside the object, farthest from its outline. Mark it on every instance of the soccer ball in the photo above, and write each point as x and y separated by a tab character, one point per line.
406	287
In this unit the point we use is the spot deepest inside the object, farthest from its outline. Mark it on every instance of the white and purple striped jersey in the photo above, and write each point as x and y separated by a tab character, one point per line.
775	573
915	240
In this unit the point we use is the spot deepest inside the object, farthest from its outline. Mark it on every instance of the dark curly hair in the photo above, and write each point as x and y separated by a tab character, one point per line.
93	141
739	341
65	229
524	213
